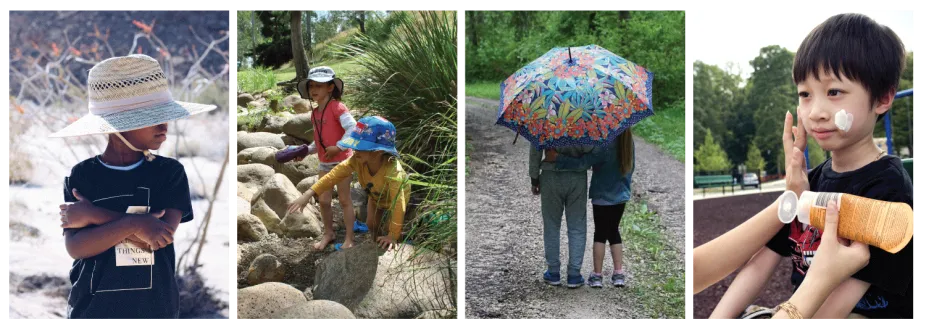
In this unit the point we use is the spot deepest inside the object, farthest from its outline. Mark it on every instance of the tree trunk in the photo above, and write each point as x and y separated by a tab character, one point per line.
361	21
299	61
253	35
474	28
307	38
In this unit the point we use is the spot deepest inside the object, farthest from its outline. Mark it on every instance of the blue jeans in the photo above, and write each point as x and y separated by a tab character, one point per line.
564	191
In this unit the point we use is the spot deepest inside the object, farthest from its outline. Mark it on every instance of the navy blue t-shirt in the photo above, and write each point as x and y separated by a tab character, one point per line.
100	288
890	275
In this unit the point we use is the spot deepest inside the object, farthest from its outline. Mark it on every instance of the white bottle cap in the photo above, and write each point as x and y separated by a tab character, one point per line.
787	206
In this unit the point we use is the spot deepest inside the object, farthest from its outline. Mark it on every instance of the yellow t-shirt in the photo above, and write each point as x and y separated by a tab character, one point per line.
389	189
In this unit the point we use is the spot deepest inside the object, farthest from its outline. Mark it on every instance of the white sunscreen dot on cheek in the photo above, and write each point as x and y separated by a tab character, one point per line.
843	120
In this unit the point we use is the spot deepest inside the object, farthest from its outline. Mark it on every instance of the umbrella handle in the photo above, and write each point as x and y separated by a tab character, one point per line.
569	49
516	136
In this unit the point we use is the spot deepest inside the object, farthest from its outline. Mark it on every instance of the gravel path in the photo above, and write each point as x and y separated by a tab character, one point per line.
504	244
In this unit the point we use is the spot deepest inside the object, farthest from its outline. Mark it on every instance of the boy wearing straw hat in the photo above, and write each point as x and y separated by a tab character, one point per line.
126	203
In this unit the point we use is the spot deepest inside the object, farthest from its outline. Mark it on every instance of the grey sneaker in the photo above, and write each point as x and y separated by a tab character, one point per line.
617	280
594	280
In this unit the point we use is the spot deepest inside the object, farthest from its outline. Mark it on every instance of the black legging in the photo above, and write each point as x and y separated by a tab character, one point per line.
608	222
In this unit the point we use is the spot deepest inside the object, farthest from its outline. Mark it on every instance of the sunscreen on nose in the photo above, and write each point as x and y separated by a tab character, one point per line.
887	225
843	120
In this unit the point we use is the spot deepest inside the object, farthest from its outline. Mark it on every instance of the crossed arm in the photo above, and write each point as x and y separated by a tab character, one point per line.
91	230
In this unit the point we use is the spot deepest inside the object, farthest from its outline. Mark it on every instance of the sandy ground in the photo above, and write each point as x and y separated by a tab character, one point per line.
504	230
39	262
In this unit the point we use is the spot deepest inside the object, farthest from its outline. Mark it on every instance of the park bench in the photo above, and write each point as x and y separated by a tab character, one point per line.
711	181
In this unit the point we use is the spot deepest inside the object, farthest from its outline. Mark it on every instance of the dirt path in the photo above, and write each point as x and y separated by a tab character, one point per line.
504	244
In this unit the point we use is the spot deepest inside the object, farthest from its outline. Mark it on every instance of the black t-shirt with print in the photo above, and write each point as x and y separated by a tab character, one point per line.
890	275
100	288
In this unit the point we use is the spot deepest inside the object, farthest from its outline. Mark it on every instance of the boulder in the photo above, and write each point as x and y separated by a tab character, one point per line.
265	268
244	99
244	207
267	216
347	275
272	124
264	301
302	107
250	229
300	126
257	104
406	288
259	139
259	155
293	141
253	176
297	171
316	309
306	183
297	256
246	193
279	193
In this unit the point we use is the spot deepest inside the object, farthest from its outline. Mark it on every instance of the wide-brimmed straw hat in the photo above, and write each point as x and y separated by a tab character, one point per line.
129	93
320	74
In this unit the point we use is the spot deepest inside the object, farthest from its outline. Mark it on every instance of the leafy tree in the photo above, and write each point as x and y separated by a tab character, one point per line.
710	157
754	159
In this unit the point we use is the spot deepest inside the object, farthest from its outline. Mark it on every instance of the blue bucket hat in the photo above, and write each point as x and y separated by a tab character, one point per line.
371	134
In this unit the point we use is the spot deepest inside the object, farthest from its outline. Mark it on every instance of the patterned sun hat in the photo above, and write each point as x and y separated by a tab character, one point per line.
371	134
129	93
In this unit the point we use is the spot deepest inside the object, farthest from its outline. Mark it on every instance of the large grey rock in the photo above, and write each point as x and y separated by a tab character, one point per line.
297	171
246	193
306	183
293	141
267	216
300	126
244	207
279	193
347	275
253	176
267	300
260	139
259	155
406	288
265	268
317	309
272	124
297	255
250	228
244	99
302	107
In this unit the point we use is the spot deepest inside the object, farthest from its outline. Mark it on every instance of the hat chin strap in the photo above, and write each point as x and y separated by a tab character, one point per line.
148	155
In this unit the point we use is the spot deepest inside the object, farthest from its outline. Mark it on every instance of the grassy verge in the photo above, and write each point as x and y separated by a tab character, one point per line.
256	80
658	272
485	90
666	129
342	68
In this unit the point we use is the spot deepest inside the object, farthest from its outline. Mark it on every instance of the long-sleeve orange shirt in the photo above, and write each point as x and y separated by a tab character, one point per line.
387	187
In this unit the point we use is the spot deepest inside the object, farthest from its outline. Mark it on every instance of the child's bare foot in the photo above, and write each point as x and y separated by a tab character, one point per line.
347	244
326	239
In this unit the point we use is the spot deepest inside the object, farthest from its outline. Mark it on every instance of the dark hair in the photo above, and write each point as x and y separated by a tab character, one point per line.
336	92
854	46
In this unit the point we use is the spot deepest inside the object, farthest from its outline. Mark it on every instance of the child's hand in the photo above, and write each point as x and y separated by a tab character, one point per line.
77	215
385	242
549	155
794	141
300	202
154	232
332	151
837	258
535	190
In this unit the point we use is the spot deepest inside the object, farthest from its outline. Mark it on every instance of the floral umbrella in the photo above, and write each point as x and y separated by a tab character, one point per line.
575	96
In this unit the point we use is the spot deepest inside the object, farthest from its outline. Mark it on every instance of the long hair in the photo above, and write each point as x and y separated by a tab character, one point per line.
625	151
